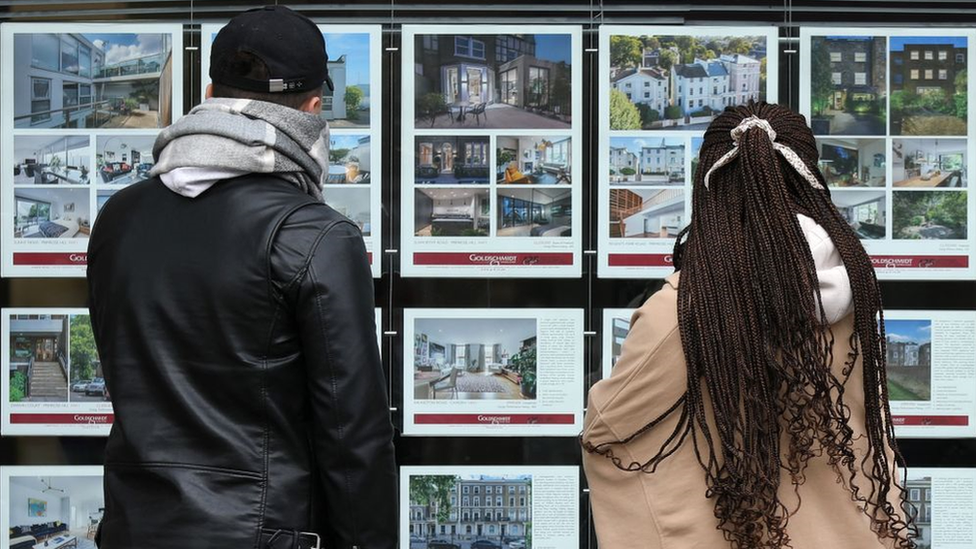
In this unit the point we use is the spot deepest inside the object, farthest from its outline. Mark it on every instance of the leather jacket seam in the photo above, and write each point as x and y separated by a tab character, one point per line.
270	245
243	473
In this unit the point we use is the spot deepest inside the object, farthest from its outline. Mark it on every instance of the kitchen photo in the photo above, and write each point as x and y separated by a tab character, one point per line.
459	212
928	163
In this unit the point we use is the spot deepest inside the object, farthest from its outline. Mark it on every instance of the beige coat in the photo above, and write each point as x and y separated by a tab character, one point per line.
668	509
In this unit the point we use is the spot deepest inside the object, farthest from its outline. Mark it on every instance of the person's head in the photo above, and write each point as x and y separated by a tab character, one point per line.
270	54
756	338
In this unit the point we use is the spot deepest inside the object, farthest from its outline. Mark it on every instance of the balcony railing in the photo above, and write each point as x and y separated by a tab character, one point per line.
102	111
134	67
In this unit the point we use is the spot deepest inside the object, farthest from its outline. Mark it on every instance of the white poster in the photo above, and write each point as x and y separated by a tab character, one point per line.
54	384
50	506
889	108
493	372
354	110
932	373
489	507
660	88
81	108
491	96
945	499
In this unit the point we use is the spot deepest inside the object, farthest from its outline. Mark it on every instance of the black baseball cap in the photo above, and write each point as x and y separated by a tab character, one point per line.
288	42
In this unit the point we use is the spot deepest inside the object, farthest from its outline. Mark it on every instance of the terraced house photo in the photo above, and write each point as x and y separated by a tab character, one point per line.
647	161
510	81
682	82
92	80
39	358
928	85
848	85
909	348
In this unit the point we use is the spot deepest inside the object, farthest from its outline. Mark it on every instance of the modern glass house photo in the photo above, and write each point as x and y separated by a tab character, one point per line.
928	163
464	212
51	213
450	160
504	81
39	358
535	212
92	80
52	160
852	162
864	211
124	159
533	160
646	213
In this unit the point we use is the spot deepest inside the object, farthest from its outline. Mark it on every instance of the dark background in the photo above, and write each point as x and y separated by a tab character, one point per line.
394	293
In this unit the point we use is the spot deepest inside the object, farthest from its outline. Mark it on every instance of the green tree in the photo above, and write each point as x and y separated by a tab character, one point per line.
668	59
623	114
429	105
652	42
961	82
354	97
949	210
648	115
739	45
625	51
336	155
434	491
821	85
82	350
561	89
18	387
762	78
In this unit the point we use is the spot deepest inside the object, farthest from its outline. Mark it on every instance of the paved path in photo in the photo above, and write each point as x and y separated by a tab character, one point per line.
844	123
498	117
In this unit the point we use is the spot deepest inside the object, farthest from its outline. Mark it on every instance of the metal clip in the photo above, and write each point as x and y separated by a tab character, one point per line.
276	85
318	539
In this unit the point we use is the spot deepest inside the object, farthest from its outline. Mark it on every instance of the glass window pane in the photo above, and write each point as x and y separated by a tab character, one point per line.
69	55
84	61
45	49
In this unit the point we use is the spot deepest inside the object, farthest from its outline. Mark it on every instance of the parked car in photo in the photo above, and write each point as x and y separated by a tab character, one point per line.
485	544
96	387
442	544
80	386
516	544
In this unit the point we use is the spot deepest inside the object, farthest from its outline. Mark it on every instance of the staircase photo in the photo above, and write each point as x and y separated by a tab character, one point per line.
47	383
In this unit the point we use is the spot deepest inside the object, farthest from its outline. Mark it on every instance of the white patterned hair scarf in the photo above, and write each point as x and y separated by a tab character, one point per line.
788	153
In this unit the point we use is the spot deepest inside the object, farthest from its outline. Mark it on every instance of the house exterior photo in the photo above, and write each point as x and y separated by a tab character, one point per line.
663	160
699	85
621	159
857	68
483	507
744	77
38	350
334	101
921	68
920	496
644	86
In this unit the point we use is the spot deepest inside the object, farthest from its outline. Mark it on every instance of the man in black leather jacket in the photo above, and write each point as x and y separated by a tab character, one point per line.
233	312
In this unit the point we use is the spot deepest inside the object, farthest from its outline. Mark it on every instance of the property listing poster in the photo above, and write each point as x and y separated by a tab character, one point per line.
515	507
78	119
889	108
932	373
660	88
353	185
478	97
493	372
50	506
945	499
54	384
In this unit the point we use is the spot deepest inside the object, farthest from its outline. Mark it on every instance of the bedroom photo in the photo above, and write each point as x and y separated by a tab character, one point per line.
51	213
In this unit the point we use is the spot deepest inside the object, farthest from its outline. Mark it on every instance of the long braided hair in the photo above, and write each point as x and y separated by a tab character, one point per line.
756	340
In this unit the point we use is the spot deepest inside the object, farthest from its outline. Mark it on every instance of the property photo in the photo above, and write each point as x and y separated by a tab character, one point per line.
852	162
909	348
348	106
928	85
92	80
864	211
545	212
646	213
475	359
929	215
348	160
102	197
504	81
352	202
929	163
647	160
54	512
620	328
39	358
848	85
533	160
919	492
682	82
447	160
52	160
462	212
51	213
470	512
86	382
124	159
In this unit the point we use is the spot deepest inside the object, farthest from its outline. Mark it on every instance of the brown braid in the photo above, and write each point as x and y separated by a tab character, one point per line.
761	349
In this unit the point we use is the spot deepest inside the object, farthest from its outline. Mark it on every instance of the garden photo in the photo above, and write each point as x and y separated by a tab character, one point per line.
909	348
87	383
682	82
647	160
929	215
928	85
505	81
848	85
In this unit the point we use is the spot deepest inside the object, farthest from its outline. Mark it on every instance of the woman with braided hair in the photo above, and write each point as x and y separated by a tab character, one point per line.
749	406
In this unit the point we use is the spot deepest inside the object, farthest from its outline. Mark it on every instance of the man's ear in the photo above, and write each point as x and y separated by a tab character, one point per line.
209	93
312	105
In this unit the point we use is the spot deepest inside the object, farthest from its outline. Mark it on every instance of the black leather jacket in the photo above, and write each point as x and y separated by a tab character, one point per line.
237	336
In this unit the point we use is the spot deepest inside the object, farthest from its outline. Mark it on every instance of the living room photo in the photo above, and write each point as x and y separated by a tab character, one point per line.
865	211
852	162
352	202
57	511
533	160
475	359
52	160
535	212
451	160
929	163
442	212
51	213
124	159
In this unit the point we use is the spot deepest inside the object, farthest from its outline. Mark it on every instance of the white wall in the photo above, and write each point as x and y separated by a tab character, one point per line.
19	495
866	159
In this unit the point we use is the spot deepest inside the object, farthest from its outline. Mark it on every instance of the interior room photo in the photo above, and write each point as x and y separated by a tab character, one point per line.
545	212
352	202
51	213
929	162
124	159
452	212
646	213
54	512
865	212
533	160
474	359
39	358
52	160
852	162
448	160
